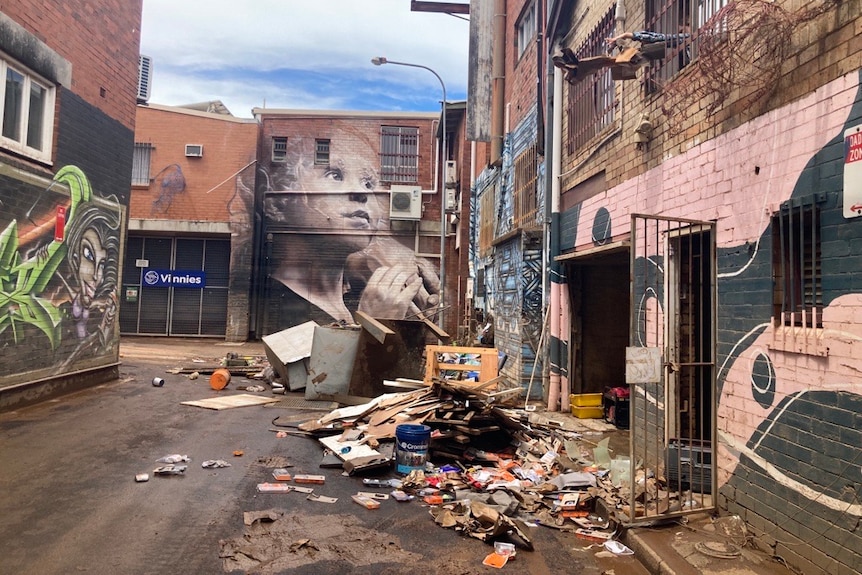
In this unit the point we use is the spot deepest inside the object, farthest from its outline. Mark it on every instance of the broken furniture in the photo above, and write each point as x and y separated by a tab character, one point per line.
484	361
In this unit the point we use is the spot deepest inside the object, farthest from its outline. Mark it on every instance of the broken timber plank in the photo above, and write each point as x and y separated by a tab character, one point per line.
377	330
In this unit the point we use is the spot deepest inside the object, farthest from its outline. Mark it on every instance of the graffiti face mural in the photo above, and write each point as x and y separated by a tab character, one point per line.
330	250
59	267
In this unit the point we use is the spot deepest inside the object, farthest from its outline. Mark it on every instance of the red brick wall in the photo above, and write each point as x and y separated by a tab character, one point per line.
101	38
228	145
520	72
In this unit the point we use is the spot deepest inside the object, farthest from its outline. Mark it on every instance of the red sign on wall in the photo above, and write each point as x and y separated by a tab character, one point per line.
60	224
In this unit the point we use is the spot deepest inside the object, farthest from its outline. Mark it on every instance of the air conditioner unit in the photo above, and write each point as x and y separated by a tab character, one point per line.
405	203
451	201
194	150
451	174
145	70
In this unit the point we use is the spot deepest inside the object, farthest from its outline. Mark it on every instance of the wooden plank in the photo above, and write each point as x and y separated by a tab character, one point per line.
377	330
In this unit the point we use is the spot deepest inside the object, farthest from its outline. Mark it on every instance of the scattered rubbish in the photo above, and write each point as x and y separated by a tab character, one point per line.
281	474
220	378
306	478
396	483
175	458
158	382
495	560
593	535
253	388
170	470
214	463
367	502
142	477
402	496
504	549
274	487
281	434
303	489
372	495
238	453
322	498
194	375
617	548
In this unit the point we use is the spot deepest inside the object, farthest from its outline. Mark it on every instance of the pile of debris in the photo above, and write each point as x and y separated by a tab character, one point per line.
489	469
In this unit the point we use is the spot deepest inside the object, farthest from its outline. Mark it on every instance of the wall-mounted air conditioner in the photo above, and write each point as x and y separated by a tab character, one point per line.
405	203
451	201
451	174
194	150
145	70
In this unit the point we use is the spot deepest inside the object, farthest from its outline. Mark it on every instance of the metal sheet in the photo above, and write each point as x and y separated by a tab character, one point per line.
333	352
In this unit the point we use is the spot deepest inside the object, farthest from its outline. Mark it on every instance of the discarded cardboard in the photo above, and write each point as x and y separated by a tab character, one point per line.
230	401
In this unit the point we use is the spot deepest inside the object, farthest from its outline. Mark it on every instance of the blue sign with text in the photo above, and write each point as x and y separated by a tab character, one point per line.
175	278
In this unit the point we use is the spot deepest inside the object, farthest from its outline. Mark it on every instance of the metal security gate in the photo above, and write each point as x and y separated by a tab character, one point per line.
181	309
670	366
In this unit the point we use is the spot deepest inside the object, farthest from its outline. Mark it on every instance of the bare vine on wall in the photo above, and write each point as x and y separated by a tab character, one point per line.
741	50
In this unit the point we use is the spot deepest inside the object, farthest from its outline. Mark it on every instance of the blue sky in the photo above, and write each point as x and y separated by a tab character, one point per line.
303	54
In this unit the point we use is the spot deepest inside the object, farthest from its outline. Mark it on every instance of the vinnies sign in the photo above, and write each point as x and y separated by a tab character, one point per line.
175	278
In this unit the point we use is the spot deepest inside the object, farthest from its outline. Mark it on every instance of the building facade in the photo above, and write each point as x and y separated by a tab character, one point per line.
189	255
351	217
707	251
65	154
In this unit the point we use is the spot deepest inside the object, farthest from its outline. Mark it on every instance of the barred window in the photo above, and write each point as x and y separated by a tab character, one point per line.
591	100
796	275
677	17
399	154
279	149
321	152
141	164
526	166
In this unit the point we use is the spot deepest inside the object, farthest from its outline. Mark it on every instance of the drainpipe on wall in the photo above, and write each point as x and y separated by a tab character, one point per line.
498	81
558	291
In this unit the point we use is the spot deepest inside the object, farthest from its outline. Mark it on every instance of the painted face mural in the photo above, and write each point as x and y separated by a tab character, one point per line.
59	294
330	249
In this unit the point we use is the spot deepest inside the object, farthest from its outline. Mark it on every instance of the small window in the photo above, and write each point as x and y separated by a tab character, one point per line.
526	28
279	149
27	110
321	152
399	154
141	164
797	287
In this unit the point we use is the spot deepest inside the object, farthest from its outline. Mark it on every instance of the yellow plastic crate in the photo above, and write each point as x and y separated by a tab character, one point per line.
587	412
585	399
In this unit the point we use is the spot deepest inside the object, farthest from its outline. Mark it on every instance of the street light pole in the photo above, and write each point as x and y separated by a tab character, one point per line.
379	61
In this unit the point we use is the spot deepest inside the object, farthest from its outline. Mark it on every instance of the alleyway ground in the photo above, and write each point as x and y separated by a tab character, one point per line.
71	504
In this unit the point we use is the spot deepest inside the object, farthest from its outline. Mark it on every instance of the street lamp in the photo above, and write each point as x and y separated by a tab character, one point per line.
379	61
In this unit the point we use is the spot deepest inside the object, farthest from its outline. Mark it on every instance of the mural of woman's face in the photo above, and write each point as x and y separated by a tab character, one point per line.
92	259
339	198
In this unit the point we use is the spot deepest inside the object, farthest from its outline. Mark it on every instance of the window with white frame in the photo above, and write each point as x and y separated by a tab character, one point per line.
279	149
27	111
399	154
141	164
526	28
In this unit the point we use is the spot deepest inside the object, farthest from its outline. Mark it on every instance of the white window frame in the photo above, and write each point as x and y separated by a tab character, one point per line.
526	28
20	146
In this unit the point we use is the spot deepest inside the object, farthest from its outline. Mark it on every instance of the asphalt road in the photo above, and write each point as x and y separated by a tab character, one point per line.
70	502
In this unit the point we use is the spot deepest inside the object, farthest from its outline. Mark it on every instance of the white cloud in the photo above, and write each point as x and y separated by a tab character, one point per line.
302	53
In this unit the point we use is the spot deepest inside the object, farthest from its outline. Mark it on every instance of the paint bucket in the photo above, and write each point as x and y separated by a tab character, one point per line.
411	447
220	378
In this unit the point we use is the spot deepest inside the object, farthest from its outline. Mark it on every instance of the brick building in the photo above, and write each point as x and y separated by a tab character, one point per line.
706	252
351	216
71	71
191	220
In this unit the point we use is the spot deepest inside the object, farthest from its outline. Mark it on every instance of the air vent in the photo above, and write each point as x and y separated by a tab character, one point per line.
405	203
194	150
145	70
